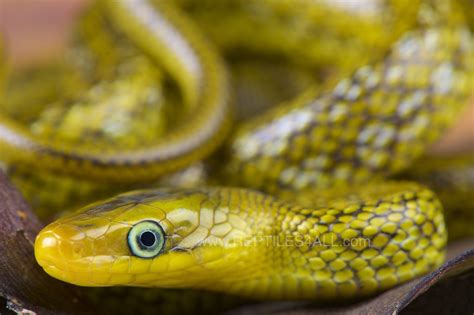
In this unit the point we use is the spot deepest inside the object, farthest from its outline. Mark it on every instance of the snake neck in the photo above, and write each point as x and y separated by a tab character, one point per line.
262	247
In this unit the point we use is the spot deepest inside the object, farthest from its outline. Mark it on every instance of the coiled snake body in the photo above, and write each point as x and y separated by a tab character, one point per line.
332	229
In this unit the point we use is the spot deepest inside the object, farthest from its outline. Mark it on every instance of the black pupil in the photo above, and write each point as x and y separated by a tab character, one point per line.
148	238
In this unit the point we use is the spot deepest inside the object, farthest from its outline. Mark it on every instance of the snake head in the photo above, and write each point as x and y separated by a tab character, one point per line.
144	238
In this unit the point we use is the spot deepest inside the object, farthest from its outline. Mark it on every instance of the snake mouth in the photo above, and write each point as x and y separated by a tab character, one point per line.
50	258
81	271
67	260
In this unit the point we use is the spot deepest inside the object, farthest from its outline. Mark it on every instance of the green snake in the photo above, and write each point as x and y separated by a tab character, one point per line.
202	79
331	227
243	242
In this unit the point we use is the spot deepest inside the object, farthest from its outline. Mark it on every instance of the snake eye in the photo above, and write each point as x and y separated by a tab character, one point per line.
146	239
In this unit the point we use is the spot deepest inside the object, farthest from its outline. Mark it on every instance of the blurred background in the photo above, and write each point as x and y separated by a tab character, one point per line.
36	31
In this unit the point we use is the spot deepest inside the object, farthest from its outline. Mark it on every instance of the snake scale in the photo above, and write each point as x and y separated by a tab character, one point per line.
317	218
247	243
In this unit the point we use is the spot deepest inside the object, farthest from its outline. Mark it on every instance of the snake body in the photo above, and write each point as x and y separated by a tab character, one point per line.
202	78
452	179
371	125
345	232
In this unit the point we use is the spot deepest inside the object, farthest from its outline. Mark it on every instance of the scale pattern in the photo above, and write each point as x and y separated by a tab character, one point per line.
251	244
201	77
369	126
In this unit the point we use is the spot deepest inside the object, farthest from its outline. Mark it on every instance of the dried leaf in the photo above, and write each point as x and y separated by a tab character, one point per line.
24	286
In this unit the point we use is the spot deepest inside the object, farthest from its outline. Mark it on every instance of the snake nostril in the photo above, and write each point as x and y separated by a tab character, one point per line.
77	250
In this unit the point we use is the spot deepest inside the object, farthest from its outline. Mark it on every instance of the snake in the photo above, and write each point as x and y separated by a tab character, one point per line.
244	242
202	79
315	217
451	178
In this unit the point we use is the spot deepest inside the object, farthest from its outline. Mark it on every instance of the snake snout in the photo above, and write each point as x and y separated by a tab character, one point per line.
63	254
46	249
59	244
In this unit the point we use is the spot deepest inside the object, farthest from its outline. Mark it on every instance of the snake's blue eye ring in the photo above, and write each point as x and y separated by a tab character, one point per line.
146	239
